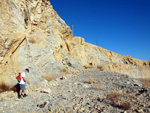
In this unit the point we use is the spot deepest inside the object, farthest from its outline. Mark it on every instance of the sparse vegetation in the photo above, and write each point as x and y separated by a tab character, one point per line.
64	70
100	68
125	106
97	86
1	99
113	98
32	40
117	100
109	67
4	87
48	77
90	80
87	66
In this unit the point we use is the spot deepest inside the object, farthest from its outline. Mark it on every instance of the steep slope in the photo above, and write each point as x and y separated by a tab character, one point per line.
33	35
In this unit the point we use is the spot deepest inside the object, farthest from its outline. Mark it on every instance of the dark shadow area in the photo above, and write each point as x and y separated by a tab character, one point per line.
4	88
16	88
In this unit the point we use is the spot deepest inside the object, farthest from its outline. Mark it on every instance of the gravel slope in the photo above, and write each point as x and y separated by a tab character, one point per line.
88	92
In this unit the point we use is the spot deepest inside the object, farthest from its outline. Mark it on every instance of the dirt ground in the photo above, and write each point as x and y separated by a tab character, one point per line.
91	91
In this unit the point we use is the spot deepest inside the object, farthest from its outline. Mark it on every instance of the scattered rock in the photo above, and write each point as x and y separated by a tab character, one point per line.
63	78
46	90
82	98
42	105
75	107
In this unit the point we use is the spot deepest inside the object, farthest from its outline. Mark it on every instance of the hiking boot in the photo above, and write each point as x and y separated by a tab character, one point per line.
25	95
19	96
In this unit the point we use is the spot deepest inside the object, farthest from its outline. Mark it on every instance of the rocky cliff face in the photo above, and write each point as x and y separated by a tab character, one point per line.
33	35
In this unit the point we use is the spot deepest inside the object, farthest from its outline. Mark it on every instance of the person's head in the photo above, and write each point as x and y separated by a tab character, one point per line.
27	70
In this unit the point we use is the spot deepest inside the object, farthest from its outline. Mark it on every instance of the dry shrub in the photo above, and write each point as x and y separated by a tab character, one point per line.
32	40
116	100
109	67
4	84
97	86
1	99
100	68
87	66
48	77
64	70
10	94
113	98
4	87
125	106
146	83
90	80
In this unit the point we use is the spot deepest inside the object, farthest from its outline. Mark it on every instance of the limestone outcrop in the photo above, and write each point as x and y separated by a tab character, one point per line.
33	35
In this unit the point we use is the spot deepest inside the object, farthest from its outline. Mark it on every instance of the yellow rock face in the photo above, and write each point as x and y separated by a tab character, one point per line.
33	36
94	56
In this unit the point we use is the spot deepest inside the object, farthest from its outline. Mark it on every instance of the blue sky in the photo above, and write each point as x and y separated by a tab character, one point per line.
122	26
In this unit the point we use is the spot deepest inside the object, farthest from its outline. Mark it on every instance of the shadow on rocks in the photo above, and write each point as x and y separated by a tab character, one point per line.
16	88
